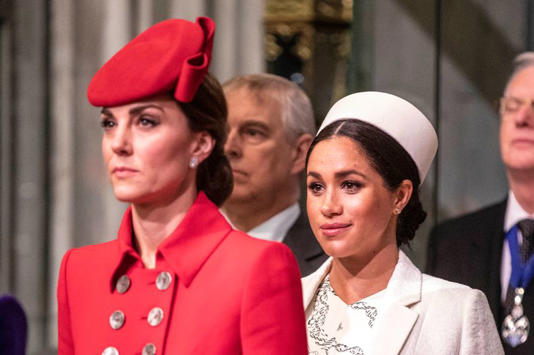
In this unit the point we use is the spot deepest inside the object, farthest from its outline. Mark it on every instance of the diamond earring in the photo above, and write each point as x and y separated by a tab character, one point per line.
194	162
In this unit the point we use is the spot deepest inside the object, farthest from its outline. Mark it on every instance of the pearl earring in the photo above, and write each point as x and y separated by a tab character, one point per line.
194	162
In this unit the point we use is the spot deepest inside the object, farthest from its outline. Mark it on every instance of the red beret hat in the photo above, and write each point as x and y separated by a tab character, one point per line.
171	56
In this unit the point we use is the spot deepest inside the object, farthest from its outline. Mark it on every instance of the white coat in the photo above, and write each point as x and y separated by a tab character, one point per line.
424	314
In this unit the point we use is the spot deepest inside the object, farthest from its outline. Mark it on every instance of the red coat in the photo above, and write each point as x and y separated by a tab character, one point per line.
227	293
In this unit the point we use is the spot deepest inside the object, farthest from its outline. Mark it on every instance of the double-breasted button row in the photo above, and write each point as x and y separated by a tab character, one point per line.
163	281
154	318
148	349
155	315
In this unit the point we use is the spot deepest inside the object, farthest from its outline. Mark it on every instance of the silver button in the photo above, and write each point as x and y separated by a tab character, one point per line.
149	349
155	316
116	319
163	280
110	350
123	284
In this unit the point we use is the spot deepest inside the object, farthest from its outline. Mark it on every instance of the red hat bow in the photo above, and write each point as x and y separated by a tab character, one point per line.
171	56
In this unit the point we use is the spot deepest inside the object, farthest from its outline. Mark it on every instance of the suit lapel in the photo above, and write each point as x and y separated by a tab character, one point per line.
397	322
398	319
311	283
486	251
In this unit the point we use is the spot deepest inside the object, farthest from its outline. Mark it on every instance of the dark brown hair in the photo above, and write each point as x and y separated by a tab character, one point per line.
208	112
390	160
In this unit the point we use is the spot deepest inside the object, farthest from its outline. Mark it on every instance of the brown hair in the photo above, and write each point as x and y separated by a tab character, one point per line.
208	112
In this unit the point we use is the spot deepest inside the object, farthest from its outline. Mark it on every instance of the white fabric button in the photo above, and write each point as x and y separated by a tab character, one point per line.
116	319
149	349
123	284
163	280
110	350
155	316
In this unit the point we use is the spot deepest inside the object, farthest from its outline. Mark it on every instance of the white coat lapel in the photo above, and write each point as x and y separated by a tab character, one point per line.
393	330
397	321
311	283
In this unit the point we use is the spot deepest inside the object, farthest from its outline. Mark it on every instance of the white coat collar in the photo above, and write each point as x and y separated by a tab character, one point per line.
403	290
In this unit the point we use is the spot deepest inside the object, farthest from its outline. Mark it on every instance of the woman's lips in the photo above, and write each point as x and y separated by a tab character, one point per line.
333	229
122	172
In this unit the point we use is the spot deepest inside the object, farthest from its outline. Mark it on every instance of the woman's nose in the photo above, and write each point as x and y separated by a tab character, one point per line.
331	205
121	143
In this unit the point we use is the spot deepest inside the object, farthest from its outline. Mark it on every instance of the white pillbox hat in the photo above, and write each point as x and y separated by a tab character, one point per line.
396	117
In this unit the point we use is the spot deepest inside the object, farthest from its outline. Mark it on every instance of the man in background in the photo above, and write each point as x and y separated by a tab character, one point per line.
271	127
489	249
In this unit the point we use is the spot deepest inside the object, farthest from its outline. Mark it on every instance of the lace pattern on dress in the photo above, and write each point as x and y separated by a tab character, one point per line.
316	329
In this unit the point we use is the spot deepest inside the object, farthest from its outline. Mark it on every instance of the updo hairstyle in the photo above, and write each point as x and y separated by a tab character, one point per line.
208	112
390	160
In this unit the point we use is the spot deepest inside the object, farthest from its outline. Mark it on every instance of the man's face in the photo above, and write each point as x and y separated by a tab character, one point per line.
517	122
257	147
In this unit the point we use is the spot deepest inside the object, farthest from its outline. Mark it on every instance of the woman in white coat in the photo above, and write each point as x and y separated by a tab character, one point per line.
364	169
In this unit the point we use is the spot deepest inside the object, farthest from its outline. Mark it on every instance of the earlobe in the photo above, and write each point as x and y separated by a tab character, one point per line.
404	193
300	150
204	144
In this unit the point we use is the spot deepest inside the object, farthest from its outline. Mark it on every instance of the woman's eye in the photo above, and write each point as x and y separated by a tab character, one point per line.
107	123
351	186
147	122
315	188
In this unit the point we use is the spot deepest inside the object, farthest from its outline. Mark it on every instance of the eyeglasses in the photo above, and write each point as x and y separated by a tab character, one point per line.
510	104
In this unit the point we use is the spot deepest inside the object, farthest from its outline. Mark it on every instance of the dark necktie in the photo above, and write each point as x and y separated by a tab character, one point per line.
526	226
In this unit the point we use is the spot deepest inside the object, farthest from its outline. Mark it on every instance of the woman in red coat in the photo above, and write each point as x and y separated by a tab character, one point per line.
177	279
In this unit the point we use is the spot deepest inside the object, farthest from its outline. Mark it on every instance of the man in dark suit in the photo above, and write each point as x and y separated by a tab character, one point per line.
271	127
477	249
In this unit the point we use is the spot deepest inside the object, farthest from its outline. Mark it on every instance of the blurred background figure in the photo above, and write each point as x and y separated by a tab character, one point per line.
450	58
492	249
271	127
13	327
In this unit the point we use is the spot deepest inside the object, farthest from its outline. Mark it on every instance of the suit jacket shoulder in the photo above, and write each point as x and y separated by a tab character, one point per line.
302	242
468	250
483	219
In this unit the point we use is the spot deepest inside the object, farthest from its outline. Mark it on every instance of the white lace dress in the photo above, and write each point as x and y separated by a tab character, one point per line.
335	327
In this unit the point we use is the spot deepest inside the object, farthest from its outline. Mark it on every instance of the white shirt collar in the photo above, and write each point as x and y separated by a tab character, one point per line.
514	212
276	227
